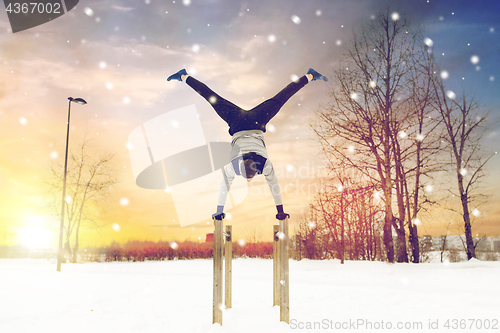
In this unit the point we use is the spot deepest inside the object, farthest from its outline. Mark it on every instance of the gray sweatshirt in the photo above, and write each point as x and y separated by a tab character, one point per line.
245	142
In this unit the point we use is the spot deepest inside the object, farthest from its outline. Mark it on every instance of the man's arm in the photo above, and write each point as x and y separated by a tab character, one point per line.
274	186
228	175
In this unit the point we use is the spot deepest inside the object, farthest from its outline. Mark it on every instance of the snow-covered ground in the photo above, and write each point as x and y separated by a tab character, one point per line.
176	296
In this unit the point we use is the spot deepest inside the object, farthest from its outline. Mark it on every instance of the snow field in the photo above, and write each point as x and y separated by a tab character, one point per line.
176	296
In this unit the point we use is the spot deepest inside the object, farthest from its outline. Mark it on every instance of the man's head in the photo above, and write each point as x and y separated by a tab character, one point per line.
248	169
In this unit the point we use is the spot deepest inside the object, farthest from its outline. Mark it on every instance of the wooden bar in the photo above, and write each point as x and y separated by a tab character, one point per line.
217	296
228	266
276	266
284	288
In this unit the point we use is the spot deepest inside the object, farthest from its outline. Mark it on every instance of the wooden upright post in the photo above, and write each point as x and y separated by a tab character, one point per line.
284	288
276	266
229	266
217	297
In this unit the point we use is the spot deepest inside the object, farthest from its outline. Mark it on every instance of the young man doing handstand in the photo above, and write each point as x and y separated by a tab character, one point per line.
248	153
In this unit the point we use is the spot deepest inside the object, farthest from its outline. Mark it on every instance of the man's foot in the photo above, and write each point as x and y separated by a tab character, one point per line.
177	76
316	75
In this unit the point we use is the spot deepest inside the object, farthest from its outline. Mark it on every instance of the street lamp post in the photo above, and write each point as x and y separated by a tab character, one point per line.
60	250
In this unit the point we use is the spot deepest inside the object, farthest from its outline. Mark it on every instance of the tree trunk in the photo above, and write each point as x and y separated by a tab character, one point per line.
415	246
388	241
67	250
402	254
75	249
471	251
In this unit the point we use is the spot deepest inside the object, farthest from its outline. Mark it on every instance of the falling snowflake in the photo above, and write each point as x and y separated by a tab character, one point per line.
271	38
186	2
89	11
416	221
428	188
354	96
474	59
212	99
463	171
318	12
444	75
395	16
402	134
281	235
102	65
294	78
271	128
129	146
228	216
492	29
451	94
68	199
350	149
420	137
476	212
195	48
116	227
126	100
241	242
54	155
174	123
169	190
338	42
296	19
109	85
312	224
373	84
492	78
290	168
23	121
428	42
174	245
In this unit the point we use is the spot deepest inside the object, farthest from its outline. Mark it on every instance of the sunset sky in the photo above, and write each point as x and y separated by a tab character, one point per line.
117	56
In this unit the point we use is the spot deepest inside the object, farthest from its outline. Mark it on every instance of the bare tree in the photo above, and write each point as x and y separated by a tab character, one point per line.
346	213
464	129
379	108
89	180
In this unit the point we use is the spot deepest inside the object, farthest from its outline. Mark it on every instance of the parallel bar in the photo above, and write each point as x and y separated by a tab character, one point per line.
217	296
284	287
276	266
229	266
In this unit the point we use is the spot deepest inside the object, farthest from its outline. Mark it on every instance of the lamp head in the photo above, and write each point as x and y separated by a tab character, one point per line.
77	100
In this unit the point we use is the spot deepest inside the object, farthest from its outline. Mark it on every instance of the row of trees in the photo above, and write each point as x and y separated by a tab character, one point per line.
146	250
391	126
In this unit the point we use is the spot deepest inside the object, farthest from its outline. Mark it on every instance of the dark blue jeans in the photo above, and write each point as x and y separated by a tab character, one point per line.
242	120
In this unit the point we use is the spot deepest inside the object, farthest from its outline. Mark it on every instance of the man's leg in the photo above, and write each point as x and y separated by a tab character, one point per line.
225	109
268	109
